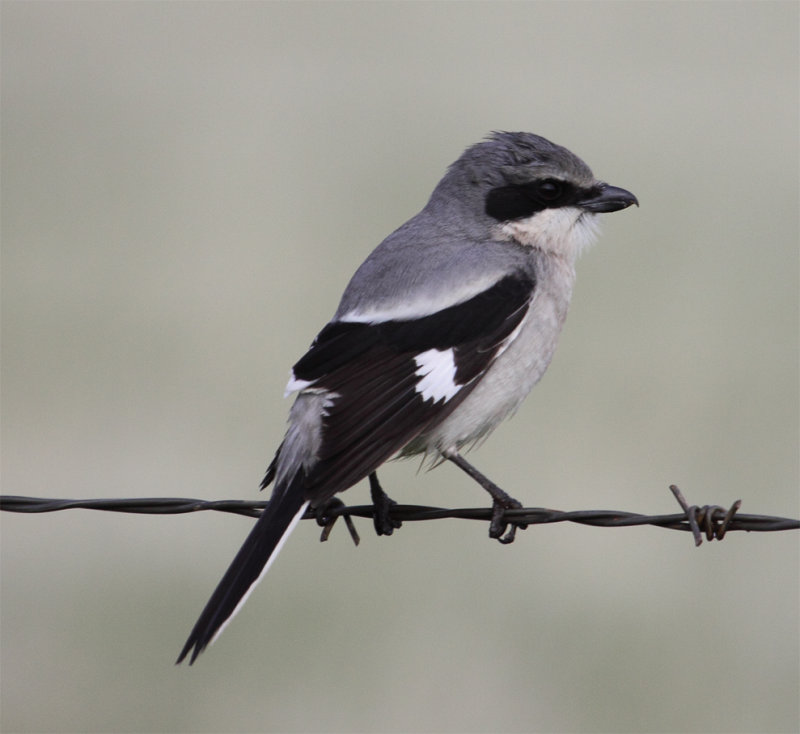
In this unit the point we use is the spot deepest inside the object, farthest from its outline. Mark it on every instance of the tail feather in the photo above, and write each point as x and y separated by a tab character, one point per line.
252	561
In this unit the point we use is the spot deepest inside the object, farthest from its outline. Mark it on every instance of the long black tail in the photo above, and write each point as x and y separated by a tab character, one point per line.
251	563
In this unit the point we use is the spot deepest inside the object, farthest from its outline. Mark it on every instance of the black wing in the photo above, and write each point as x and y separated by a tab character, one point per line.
375	375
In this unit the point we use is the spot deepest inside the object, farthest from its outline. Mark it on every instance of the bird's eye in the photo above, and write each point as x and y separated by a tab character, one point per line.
550	189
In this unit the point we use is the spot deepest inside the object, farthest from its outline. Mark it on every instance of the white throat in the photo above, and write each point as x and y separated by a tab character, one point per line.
566	231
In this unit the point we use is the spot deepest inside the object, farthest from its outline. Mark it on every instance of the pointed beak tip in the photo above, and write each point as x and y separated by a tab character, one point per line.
621	196
611	199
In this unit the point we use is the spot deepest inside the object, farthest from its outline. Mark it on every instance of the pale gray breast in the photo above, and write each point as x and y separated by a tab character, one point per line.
512	376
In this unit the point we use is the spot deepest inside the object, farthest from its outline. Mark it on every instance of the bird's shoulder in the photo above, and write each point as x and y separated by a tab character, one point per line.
418	271
474	327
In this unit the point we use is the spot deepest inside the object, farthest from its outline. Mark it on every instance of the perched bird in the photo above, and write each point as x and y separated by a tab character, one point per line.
439	336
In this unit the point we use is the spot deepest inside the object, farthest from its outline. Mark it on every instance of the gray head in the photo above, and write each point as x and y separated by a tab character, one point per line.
511	187
504	158
520	186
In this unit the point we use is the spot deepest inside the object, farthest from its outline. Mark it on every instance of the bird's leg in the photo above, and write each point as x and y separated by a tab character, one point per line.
500	501
382	503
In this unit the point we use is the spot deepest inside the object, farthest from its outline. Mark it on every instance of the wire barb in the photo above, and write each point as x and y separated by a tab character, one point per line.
715	520
708	515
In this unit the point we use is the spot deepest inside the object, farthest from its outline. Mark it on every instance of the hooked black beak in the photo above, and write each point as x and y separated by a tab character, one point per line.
608	198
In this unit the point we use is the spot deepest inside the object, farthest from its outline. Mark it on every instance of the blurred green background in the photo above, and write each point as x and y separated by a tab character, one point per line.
187	188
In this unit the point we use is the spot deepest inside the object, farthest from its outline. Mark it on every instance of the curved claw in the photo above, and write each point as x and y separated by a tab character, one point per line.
499	523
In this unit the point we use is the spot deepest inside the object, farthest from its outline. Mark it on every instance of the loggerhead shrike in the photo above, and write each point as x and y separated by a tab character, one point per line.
439	336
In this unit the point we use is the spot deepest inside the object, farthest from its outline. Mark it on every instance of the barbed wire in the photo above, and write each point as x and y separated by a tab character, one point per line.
712	521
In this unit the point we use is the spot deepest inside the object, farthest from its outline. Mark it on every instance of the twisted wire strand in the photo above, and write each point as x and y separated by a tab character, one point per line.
712	521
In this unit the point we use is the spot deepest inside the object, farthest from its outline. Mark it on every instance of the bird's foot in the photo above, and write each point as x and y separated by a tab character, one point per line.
382	518
326	519
499	523
501	501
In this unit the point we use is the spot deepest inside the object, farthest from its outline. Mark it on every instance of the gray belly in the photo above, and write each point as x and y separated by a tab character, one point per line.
507	382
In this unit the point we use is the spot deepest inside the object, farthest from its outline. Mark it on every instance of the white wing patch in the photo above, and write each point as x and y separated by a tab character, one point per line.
437	369
295	385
